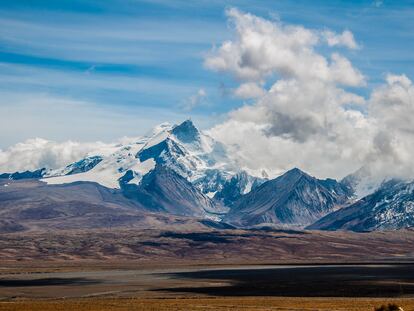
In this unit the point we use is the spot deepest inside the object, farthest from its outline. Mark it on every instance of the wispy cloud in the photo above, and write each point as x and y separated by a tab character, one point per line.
106	39
143	55
377	3
58	118
195	100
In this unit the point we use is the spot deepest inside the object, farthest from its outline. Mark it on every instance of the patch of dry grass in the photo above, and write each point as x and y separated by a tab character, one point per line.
205	304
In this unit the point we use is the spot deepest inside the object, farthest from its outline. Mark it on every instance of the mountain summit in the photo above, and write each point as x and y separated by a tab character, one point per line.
294	198
186	132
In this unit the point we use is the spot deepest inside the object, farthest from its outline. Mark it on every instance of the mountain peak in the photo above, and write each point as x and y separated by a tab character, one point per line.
186	132
295	172
294	198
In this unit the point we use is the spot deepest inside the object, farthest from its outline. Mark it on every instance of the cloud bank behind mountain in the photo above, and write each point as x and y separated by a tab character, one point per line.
306	109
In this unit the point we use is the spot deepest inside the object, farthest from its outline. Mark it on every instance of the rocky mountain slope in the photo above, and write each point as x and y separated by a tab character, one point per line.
30	205
179	170
391	207
175	170
295	199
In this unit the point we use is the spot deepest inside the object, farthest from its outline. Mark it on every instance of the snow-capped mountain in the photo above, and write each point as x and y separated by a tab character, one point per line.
391	207
179	170
238	185
176	169
182	148
294	199
80	166
163	190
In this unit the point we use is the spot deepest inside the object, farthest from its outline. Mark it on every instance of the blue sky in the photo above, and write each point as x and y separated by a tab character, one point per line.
98	70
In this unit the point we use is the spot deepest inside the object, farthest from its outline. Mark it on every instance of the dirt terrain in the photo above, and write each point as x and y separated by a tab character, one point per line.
356	280
224	246
206	304
205	270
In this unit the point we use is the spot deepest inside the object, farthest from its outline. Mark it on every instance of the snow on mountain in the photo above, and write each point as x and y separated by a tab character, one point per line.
197	165
106	171
362	182
163	190
180	170
391	207
238	185
80	166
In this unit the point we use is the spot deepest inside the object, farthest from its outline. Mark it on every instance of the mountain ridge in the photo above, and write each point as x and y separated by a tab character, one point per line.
179	170
294	198
391	207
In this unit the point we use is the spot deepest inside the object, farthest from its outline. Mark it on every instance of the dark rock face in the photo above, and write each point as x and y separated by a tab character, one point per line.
37	174
186	132
391	207
166	153
294	199
163	190
80	166
338	188
83	165
153	152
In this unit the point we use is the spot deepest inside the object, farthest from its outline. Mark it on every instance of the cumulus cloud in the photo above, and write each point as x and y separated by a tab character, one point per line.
392	107
346	39
261	48
309	118
393	104
298	124
40	153
249	90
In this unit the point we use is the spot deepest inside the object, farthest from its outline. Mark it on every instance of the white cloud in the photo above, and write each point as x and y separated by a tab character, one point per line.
103	39
39	153
392	107
377	3
346	39
57	118
309	118
195	100
342	72
261	48
73	128
249	90
299	124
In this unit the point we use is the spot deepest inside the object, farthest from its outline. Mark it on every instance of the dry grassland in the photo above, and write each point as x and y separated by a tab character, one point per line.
205	304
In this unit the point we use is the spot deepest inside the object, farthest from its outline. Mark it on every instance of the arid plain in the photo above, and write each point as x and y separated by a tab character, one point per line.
206	270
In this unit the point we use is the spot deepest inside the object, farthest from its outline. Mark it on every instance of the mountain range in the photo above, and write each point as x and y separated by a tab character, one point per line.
178	175
390	207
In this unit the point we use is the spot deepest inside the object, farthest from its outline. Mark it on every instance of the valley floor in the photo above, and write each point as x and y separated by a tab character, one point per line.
205	270
204	246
